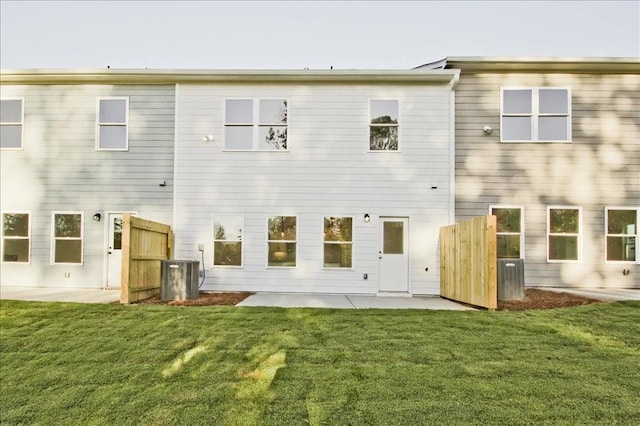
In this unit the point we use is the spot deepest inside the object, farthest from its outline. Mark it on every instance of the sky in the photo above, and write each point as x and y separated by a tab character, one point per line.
306	34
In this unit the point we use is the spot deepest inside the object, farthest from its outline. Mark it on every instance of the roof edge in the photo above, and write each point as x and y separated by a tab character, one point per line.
611	65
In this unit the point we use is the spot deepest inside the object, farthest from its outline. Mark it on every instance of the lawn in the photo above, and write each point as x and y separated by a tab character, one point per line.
65	363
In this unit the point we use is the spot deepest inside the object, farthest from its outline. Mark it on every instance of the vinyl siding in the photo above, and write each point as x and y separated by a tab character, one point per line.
60	169
326	172
599	168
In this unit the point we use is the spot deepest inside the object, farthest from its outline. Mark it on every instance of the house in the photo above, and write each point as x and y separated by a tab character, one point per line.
79	149
552	148
308	181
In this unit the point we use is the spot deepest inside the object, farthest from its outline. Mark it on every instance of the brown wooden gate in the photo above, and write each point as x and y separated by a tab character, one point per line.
145	244
468	262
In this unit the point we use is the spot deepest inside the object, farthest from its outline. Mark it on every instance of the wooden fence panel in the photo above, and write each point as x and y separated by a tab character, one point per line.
468	262
145	244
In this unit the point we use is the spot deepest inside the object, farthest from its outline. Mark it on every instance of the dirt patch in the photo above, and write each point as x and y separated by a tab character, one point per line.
204	299
544	299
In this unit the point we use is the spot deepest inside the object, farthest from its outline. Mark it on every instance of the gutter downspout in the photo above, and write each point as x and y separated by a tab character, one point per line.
452	147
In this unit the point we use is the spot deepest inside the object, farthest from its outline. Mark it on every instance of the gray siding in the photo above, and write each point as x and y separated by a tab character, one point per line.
60	169
327	171
599	168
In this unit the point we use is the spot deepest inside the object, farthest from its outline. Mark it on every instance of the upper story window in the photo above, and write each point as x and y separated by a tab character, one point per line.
11	123
338	242
509	232
564	230
621	226
16	237
282	238
67	237
227	240
383	125
112	124
536	115
256	125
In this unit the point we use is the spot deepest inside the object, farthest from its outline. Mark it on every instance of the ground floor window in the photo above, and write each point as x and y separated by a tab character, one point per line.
227	240
564	229
509	231
67	237
282	241
16	237
621	228
338	242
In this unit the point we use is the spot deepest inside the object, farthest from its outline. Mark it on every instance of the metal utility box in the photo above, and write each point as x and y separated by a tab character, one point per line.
510	279
180	279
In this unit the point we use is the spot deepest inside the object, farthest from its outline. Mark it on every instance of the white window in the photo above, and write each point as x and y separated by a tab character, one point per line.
621	229
227	240
16	237
260	125
282	241
536	115
383	125
112	124
11	123
338	242
67	237
509	231
564	230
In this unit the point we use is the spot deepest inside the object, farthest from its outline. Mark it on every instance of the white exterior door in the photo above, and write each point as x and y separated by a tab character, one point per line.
114	250
394	255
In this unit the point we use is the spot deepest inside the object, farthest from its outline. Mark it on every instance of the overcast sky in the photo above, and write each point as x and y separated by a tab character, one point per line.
306	34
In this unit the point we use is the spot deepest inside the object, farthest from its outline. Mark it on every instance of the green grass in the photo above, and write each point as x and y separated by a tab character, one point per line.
64	363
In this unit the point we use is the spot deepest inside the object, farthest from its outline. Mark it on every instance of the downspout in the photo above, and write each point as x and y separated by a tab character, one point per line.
176	125
452	146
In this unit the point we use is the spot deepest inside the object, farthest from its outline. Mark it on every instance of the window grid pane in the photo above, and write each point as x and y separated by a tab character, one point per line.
281	242
622	228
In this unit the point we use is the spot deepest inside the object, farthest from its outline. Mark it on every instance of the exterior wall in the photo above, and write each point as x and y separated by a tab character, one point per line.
327	171
59	169
599	168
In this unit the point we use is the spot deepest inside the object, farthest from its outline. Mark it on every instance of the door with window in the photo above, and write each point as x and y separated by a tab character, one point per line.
394	255
114	250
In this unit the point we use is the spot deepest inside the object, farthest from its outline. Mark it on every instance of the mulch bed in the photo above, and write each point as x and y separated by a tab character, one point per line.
544	299
534	299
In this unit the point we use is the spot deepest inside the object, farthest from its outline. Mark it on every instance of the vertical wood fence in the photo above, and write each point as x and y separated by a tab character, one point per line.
468	262
145	245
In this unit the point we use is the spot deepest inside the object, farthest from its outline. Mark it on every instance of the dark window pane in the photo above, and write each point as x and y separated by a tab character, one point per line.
621	249
337	255
282	254
508	246
338	228
564	221
383	138
393	238
622	222
68	225
508	220
282	228
15	225
68	251
563	248
227	253
16	250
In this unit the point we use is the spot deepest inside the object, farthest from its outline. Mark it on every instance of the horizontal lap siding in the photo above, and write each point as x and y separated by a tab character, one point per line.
327	171
599	168
60	169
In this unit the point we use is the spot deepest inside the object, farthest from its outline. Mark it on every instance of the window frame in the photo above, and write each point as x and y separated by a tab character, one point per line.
268	241
579	234
13	123
256	125
535	114
54	239
370	125
241	240
351	243
100	124
607	235
521	233
28	237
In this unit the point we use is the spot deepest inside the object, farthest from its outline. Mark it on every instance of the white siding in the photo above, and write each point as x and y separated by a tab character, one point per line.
60	169
326	171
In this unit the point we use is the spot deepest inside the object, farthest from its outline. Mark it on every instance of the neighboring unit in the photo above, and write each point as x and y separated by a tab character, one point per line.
552	148
77	151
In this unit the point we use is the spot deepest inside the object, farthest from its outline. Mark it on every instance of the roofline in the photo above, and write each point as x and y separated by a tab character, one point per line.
470	64
159	76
